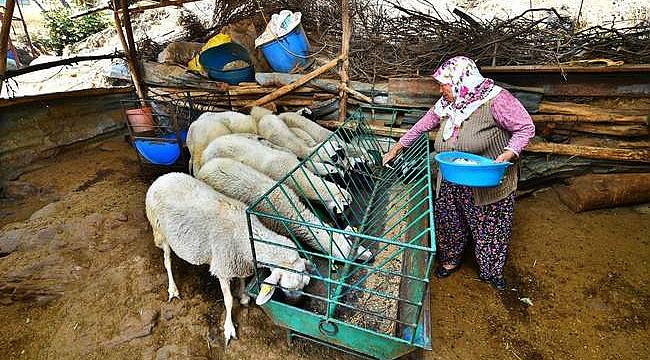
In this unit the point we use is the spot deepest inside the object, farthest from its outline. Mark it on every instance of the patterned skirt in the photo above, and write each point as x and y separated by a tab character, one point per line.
458	221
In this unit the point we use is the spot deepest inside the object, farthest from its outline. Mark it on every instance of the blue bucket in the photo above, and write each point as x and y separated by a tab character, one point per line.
287	53
215	58
485	173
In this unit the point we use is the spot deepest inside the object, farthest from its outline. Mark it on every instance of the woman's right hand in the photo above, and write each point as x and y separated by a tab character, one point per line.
391	154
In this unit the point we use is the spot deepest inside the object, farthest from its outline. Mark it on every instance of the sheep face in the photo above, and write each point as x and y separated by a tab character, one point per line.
331	152
345	247
339	202
290	282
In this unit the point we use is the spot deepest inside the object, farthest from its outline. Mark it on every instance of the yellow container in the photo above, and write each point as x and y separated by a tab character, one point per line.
216	40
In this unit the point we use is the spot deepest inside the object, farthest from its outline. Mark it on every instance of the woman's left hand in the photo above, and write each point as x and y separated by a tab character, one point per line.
507	155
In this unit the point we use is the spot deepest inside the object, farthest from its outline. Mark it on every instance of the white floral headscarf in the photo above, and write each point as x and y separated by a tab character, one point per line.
470	90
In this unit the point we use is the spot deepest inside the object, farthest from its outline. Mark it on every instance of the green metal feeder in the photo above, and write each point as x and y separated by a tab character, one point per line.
377	308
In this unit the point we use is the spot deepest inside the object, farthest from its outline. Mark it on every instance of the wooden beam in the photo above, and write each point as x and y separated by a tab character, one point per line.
376	129
294	85
90	11
4	37
590	152
133	51
39	99
125	46
566	69
345	60
357	95
51	64
590	113
159	4
599	129
594	118
29	39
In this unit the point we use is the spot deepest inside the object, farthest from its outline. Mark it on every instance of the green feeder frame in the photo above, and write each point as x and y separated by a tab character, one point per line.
376	308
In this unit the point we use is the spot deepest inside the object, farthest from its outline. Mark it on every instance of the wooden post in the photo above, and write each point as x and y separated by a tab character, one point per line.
29	40
294	85
345	64
131	62
4	38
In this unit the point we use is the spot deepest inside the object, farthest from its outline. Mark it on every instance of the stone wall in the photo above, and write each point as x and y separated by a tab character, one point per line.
38	127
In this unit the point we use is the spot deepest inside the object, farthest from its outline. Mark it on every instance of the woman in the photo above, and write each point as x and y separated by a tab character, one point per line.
478	117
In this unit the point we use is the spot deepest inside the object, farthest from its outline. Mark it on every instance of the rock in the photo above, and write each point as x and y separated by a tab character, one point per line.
111	146
168	315
9	241
135	329
150	317
122	216
19	189
175	352
40	281
48	210
169	352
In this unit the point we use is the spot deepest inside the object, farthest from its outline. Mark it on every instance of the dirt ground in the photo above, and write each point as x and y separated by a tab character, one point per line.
81	278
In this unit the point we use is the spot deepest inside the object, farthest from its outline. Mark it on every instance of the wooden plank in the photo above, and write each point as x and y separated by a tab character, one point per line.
51	64
594	113
296	84
599	129
5	103
376	129
159	4
599	191
345	59
566	69
4	37
590	152
125	47
132	51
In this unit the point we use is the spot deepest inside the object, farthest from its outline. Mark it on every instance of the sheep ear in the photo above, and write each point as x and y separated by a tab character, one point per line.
267	290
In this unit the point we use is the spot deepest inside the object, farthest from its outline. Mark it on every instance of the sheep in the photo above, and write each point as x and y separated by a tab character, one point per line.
321	169
203	226
276	164
304	136
261	121
241	182
208	127
315	131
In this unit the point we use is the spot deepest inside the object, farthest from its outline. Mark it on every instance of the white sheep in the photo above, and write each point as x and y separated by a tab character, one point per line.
289	131
241	182
318	168
210	126
276	164
315	131
203	226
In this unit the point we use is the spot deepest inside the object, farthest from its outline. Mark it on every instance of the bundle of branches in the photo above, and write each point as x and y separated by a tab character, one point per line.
390	40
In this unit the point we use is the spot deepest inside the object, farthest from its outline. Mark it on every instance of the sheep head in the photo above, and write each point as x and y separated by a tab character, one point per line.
290	282
343	248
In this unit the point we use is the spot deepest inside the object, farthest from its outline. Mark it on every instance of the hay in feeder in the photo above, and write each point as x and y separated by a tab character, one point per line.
384	279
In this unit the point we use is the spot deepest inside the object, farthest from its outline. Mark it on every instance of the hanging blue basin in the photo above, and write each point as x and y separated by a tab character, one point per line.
215	58
160	152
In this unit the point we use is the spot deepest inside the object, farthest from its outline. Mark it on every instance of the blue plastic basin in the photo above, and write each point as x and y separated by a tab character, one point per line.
287	53
160	152
215	58
486	173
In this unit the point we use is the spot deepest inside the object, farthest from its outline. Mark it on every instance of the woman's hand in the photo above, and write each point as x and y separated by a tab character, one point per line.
507	155
391	154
